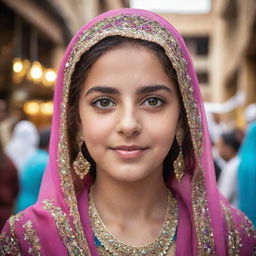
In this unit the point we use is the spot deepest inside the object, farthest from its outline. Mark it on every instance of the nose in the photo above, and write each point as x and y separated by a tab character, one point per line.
129	123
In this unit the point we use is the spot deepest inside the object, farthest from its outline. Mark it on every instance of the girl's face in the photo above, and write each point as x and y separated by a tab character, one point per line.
129	113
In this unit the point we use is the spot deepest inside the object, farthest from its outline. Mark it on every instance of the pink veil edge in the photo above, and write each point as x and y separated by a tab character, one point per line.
51	182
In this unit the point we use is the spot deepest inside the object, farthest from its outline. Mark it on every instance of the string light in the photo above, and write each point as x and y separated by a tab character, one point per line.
46	108
31	107
49	77
38	107
36	72
17	65
20	68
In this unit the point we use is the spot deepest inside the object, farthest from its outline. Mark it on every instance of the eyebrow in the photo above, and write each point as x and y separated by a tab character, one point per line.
141	90
153	88
102	89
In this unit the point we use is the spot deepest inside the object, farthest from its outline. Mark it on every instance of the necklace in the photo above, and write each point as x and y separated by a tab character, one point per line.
112	246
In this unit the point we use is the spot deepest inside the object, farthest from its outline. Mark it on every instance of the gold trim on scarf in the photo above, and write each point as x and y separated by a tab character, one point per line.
234	240
65	230
139	27
32	239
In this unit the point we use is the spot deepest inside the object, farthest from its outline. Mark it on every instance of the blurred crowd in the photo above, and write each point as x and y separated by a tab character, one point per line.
23	159
234	154
24	156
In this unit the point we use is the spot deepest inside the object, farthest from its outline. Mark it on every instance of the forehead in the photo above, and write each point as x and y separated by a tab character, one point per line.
128	55
128	64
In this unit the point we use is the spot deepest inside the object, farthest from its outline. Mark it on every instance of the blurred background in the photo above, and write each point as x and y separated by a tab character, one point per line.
220	35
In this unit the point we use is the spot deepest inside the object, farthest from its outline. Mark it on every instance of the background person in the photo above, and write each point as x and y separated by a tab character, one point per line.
9	187
31	175
247	174
23	143
228	147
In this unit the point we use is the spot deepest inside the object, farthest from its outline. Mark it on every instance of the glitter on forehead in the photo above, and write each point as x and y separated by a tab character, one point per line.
139	27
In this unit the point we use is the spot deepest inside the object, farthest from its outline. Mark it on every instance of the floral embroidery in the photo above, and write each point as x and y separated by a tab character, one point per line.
9	244
31	237
67	234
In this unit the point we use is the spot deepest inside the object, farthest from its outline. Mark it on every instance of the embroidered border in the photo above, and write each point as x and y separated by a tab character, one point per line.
9	244
139	27
247	226
32	238
234	240
63	225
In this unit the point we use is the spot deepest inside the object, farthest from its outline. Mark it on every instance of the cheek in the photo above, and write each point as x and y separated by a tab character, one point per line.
95	127
163	130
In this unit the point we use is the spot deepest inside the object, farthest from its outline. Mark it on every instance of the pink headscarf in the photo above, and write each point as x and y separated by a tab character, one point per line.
58	224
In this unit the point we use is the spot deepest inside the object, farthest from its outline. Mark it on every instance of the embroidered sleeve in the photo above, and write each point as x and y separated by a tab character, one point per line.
32	239
241	234
64	227
9	244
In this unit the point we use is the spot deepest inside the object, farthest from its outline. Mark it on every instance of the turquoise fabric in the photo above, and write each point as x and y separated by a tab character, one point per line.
30	179
247	175
98	243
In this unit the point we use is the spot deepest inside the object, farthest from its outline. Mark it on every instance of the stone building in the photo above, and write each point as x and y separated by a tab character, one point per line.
222	43
223	47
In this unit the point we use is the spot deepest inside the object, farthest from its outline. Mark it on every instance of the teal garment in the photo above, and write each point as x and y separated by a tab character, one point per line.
99	245
30	179
247	175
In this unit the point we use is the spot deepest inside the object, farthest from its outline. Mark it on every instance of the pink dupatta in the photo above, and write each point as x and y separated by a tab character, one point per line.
58	223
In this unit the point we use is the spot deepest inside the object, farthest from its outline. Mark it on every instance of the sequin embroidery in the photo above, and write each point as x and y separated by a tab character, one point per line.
9	244
67	234
31	237
234	240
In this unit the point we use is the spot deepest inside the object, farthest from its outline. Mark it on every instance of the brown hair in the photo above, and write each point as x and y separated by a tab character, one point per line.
79	76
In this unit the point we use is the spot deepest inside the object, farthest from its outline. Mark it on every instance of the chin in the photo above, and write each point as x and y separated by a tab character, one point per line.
129	176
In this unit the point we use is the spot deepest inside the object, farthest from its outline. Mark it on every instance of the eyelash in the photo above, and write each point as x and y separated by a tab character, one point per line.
161	102
99	100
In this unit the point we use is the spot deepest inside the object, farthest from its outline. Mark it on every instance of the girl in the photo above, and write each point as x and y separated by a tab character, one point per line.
130	170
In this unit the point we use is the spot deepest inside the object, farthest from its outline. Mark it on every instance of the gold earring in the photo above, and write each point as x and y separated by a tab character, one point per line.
81	165
178	164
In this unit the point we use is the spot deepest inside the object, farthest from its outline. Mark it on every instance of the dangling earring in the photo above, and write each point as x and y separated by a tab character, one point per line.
81	165
178	164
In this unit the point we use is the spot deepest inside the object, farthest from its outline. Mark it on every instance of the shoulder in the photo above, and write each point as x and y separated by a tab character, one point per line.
18	236
44	228
9	244
241	235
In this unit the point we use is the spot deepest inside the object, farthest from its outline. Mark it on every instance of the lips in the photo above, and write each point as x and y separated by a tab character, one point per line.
129	151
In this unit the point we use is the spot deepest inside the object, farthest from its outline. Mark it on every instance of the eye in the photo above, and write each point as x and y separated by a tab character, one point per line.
103	103
153	102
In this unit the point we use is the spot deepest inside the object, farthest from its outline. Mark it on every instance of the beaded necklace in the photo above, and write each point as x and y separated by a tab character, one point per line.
113	246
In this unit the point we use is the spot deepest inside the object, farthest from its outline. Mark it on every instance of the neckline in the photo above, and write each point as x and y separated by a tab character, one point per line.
159	246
